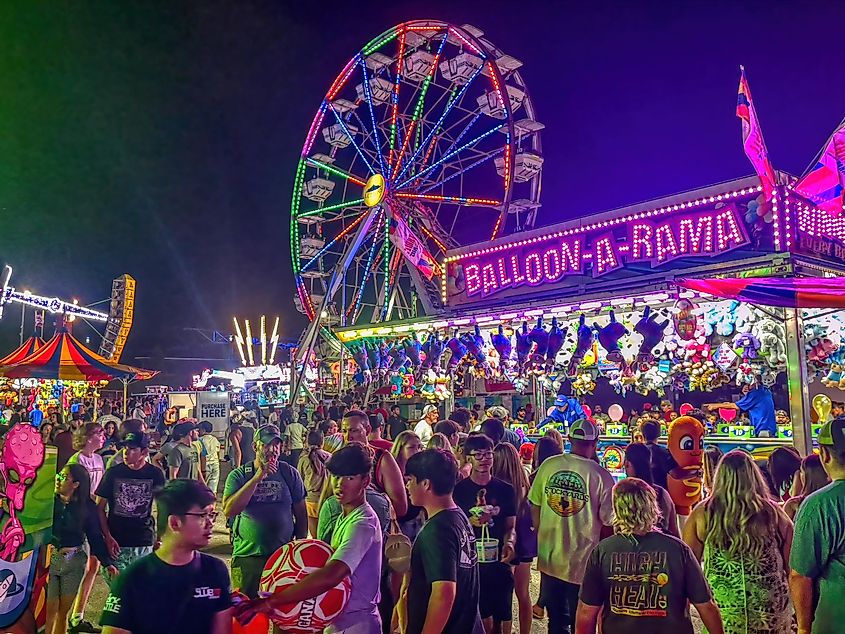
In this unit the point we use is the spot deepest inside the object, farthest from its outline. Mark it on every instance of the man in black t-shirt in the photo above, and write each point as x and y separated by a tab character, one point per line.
661	460
127	489
176	589
490	502
396	424
642	580
443	592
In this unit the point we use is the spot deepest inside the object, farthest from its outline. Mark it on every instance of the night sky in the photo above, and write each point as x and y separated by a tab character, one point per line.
160	138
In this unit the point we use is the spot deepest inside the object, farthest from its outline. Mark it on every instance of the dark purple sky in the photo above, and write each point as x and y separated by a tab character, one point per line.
161	140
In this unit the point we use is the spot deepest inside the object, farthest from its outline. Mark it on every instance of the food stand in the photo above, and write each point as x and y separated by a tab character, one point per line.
610	307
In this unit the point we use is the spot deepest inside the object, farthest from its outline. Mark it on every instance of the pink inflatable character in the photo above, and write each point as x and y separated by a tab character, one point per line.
23	454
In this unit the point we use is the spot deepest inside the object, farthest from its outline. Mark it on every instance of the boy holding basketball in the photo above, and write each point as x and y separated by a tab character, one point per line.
356	542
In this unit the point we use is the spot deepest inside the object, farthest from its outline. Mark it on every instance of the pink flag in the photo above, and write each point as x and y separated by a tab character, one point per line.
752	137
413	248
824	185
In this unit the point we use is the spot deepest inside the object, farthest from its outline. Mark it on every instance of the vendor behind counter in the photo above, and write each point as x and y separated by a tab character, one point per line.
757	401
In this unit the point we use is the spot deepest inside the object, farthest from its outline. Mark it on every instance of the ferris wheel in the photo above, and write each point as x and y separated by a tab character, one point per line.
427	140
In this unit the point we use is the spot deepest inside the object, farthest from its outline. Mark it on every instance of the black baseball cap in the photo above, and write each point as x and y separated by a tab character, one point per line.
180	430
133	439
269	433
832	434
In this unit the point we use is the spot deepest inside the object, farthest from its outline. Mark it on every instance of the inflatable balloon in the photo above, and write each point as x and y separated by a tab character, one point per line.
289	565
686	445
588	411
615	412
584	341
685	409
822	406
727	414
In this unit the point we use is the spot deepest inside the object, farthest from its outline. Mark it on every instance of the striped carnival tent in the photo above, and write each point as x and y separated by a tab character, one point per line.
29	346
64	358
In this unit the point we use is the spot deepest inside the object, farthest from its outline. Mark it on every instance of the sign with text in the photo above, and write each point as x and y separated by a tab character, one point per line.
644	241
214	407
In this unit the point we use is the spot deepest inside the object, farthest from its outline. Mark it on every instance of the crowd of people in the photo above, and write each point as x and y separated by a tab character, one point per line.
438	523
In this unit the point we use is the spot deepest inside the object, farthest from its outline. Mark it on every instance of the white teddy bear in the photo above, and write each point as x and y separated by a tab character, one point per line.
772	342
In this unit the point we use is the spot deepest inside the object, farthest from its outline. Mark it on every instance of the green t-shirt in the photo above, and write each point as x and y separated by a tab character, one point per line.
818	552
267	522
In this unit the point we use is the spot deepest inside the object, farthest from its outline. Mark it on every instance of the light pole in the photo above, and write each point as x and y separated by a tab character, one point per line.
23	315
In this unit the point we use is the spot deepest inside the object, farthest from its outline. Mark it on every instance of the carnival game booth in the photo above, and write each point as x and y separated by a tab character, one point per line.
613	309
63	369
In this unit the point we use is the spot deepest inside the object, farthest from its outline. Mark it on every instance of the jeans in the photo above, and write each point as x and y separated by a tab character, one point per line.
561	603
212	475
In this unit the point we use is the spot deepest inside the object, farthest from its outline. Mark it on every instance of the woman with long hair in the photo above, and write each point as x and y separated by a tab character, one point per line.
743	538
712	457
312	468
507	466
784	463
810	479
546	447
75	518
439	441
638	465
111	438
406	444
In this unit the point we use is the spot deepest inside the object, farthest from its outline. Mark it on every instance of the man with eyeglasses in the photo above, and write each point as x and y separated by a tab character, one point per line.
266	499
490	502
176	589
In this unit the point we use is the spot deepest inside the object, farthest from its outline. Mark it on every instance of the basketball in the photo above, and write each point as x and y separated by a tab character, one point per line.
289	565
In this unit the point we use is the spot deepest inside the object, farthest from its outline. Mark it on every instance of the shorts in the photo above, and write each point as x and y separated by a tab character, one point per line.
126	556
66	572
313	509
495	597
246	573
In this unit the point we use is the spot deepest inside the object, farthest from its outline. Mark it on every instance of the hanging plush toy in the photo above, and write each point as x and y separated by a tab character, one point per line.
384	358
523	346
398	358
686	446
412	350
459	351
433	348
584	341
609	337
474	344
772	342
556	338
372	355
359	355
746	345
502	345
539	336
652	334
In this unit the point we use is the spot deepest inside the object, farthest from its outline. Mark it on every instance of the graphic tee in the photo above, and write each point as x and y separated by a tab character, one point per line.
818	552
93	464
356	541
573	494
186	598
129	493
498	494
444	550
644	583
267	521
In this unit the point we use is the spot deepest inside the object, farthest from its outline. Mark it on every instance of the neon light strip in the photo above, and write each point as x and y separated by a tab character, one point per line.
315	212
351	139
450	199
394	98
437	241
294	210
386	257
367	268
338	172
312	131
607	223
466	42
369	97
463	171
446	157
380	41
339	236
341	79
446	111
419	106
507	186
